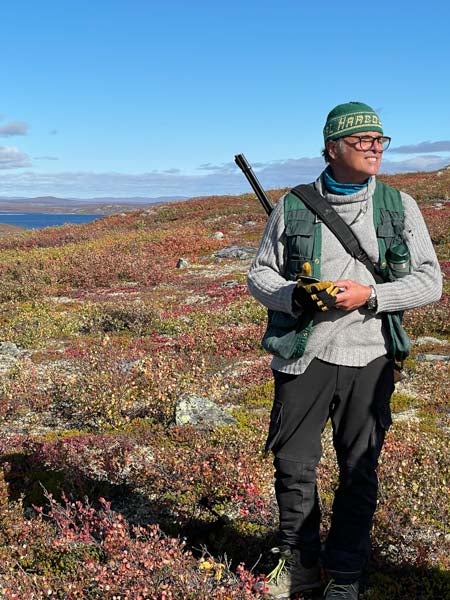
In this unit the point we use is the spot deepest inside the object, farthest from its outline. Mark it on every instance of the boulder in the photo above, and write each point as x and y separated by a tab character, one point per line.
182	263
200	412
241	252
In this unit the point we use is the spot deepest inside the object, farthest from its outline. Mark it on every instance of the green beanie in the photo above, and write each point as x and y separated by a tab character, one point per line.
349	118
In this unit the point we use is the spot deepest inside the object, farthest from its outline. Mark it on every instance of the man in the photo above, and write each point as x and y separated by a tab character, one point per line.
330	348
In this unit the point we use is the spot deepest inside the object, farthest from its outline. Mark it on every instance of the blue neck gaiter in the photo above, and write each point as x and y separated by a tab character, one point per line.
334	187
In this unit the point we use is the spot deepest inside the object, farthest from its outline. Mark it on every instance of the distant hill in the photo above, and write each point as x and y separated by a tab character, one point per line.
5	229
423	186
100	205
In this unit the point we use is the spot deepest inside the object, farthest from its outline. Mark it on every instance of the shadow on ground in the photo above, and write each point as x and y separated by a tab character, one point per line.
29	481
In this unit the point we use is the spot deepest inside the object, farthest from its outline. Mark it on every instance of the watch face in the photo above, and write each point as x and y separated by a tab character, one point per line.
372	301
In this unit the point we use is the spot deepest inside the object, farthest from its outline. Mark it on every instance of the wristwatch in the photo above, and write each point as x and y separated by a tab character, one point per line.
372	302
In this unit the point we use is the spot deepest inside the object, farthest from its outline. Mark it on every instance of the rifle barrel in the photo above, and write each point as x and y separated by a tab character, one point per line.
245	167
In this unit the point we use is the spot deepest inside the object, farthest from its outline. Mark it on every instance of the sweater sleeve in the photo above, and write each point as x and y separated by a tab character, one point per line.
265	279
424	284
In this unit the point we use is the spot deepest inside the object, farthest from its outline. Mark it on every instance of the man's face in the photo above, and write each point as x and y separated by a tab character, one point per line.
353	162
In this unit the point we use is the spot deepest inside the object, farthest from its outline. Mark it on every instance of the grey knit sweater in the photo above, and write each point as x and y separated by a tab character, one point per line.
352	338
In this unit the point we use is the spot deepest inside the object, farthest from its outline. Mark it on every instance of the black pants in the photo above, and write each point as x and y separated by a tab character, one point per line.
357	401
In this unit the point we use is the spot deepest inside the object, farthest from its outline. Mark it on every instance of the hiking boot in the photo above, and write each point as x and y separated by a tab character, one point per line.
289	576
341	591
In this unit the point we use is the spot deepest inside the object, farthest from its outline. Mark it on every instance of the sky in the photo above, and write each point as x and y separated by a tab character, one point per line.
154	98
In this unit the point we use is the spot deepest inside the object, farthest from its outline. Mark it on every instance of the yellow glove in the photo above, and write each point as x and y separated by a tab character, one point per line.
312	294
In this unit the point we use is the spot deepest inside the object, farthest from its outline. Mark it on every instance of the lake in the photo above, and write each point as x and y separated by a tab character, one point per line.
37	220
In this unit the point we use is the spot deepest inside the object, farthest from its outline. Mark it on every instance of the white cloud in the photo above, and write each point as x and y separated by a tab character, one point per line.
416	163
14	128
211	180
13	158
422	147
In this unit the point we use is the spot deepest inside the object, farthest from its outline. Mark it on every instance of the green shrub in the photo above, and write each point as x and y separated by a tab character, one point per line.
33	324
134	318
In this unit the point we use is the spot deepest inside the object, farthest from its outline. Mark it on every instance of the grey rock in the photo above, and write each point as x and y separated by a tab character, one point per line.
182	263
126	366
426	339
409	416
218	235
200	412
241	252
433	357
10	354
10	349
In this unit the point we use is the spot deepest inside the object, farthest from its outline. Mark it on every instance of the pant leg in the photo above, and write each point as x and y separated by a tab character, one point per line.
300	411
299	508
360	418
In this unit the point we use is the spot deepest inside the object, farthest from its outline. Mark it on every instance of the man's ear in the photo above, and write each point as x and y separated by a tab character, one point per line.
331	149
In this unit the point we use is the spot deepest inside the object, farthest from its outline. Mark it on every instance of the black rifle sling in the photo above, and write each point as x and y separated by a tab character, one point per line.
319	206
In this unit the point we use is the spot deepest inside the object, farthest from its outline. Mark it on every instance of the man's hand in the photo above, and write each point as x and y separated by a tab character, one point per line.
353	294
320	295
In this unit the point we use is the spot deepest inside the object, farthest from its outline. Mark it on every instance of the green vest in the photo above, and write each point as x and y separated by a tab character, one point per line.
286	336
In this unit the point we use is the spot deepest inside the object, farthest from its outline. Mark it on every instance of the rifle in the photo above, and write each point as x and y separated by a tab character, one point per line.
243	164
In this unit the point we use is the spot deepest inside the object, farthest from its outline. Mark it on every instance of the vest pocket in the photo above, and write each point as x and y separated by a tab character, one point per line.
390	228
300	244
286	335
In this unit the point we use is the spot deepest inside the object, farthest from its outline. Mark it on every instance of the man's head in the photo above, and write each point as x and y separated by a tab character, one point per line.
354	142
349	118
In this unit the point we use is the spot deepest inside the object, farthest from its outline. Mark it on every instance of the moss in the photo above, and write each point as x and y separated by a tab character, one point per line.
138	426
429	421
401	402
260	395
245	311
53	562
32	324
407	582
251	529
53	436
240	277
171	326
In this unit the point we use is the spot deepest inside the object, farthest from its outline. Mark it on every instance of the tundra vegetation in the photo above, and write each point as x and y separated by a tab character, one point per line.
103	494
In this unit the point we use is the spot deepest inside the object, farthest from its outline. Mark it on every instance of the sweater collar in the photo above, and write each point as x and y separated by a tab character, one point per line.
363	194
